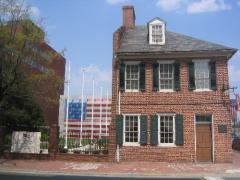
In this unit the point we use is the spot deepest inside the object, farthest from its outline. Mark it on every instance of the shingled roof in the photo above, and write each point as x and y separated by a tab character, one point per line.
136	41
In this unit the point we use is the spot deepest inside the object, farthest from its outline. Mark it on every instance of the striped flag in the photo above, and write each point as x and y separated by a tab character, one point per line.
238	102
233	106
74	121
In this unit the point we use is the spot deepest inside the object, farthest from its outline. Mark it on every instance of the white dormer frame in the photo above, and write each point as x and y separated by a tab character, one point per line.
152	23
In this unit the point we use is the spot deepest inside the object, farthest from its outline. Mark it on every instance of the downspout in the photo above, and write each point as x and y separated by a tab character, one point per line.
119	112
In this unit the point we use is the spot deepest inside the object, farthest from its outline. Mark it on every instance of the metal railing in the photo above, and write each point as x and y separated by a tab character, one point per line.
84	144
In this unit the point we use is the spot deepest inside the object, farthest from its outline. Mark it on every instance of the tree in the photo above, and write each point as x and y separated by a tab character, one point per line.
21	42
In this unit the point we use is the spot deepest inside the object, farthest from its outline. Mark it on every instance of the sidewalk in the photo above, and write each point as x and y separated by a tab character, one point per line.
123	168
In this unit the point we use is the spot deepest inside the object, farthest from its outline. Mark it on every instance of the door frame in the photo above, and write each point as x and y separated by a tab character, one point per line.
195	135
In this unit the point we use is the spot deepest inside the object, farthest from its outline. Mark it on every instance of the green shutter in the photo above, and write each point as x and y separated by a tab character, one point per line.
119	129
142	77
154	129
213	82
179	139
191	75
143	129
155	77
176	76
122	77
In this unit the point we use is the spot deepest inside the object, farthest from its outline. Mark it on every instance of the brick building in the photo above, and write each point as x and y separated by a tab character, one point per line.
169	95
45	59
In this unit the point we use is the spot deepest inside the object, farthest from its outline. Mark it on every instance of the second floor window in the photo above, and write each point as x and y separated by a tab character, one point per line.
132	77
202	78
166	76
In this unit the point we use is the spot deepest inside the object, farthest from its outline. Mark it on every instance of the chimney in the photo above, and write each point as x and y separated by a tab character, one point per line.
128	17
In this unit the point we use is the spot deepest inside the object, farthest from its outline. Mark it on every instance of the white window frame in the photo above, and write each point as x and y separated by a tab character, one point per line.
153	23
125	74
131	143
202	61
159	137
165	62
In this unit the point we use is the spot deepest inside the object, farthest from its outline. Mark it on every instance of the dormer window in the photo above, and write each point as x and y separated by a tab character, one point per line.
156	31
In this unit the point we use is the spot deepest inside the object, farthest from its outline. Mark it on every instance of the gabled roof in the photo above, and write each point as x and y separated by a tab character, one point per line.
156	18
136	41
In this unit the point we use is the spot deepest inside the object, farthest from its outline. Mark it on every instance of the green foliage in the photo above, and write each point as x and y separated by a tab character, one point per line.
22	48
19	109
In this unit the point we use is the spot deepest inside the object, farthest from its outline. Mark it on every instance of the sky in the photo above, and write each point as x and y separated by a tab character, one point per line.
84	29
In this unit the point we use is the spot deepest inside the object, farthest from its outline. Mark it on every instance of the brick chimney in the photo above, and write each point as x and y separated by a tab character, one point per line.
128	17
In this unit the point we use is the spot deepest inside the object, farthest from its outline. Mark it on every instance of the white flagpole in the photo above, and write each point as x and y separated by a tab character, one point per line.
66	124
100	135
92	109
106	131
82	107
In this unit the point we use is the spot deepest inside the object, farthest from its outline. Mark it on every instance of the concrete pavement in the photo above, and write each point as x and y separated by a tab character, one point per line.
125	168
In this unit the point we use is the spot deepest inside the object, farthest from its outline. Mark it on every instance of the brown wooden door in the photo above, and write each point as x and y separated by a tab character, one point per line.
204	142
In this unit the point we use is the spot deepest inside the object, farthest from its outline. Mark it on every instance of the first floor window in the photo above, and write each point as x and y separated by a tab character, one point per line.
132	77
202	78
131	129
166	129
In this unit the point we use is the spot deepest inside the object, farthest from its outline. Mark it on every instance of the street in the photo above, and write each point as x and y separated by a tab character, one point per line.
11	176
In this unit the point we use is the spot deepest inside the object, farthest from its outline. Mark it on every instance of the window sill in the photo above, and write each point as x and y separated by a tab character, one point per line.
167	90
132	91
203	90
167	145
131	144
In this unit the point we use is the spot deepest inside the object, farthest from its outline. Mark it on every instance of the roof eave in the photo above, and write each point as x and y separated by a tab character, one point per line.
201	53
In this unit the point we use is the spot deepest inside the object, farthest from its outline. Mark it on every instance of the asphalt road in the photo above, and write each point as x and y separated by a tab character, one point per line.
5	176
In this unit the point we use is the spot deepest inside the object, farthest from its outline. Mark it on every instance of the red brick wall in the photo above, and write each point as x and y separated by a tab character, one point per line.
184	102
128	17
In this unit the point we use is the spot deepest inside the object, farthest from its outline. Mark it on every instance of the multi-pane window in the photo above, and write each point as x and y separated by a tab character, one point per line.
202	79
166	129
131	129
132	77
157	33
166	76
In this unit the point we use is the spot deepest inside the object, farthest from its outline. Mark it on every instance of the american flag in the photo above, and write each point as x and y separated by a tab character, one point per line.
233	106
101	115
238	101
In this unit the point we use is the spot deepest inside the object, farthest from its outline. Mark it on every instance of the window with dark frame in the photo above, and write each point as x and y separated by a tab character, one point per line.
202	78
131	125
132	77
166	129
166	76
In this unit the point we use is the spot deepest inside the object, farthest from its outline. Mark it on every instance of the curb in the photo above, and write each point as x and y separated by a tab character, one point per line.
132	175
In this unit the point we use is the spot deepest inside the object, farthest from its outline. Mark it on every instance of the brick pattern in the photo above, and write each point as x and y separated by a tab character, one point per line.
58	156
128	17
53	139
185	102
82	158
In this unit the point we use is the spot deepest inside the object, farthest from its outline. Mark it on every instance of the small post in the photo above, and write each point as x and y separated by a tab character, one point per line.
82	107
66	124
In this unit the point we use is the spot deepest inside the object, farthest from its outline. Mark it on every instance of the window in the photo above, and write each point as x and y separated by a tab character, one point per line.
202	79
166	129
157	32
131	129
166	76
132	77
204	118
